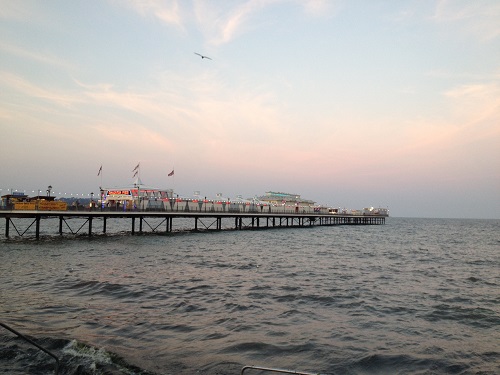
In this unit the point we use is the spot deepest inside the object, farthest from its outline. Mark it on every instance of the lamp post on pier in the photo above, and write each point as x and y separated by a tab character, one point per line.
101	191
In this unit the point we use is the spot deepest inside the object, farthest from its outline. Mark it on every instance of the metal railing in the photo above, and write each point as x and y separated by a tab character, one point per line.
278	370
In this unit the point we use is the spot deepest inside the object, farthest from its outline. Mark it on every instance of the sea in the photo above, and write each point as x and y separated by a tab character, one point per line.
413	296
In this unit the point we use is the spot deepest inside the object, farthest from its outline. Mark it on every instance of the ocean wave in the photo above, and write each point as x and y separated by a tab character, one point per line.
399	363
472	316
95	288
266	350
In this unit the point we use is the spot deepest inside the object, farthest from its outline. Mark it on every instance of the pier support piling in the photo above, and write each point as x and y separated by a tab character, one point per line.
37	226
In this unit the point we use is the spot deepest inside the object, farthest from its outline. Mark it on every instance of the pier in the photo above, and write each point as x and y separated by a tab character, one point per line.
21	223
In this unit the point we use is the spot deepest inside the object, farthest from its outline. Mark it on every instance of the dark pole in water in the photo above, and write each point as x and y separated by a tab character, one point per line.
32	343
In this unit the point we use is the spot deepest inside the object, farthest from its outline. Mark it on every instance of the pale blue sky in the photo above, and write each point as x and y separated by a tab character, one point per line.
349	103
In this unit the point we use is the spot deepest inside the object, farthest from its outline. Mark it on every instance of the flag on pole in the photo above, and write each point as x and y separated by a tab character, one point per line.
136	167
171	173
100	170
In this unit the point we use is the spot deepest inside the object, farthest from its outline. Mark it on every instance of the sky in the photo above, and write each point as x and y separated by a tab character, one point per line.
350	103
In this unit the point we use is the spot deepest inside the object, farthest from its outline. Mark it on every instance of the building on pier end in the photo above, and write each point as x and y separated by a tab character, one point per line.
279	198
290	201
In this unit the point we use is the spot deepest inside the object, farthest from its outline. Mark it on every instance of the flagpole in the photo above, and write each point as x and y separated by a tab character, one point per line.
100	173
100	186
137	171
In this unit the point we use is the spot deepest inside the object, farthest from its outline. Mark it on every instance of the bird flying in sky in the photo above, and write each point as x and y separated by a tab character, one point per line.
203	57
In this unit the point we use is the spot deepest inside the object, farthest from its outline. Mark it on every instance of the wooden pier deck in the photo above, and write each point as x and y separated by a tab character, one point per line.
201	221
